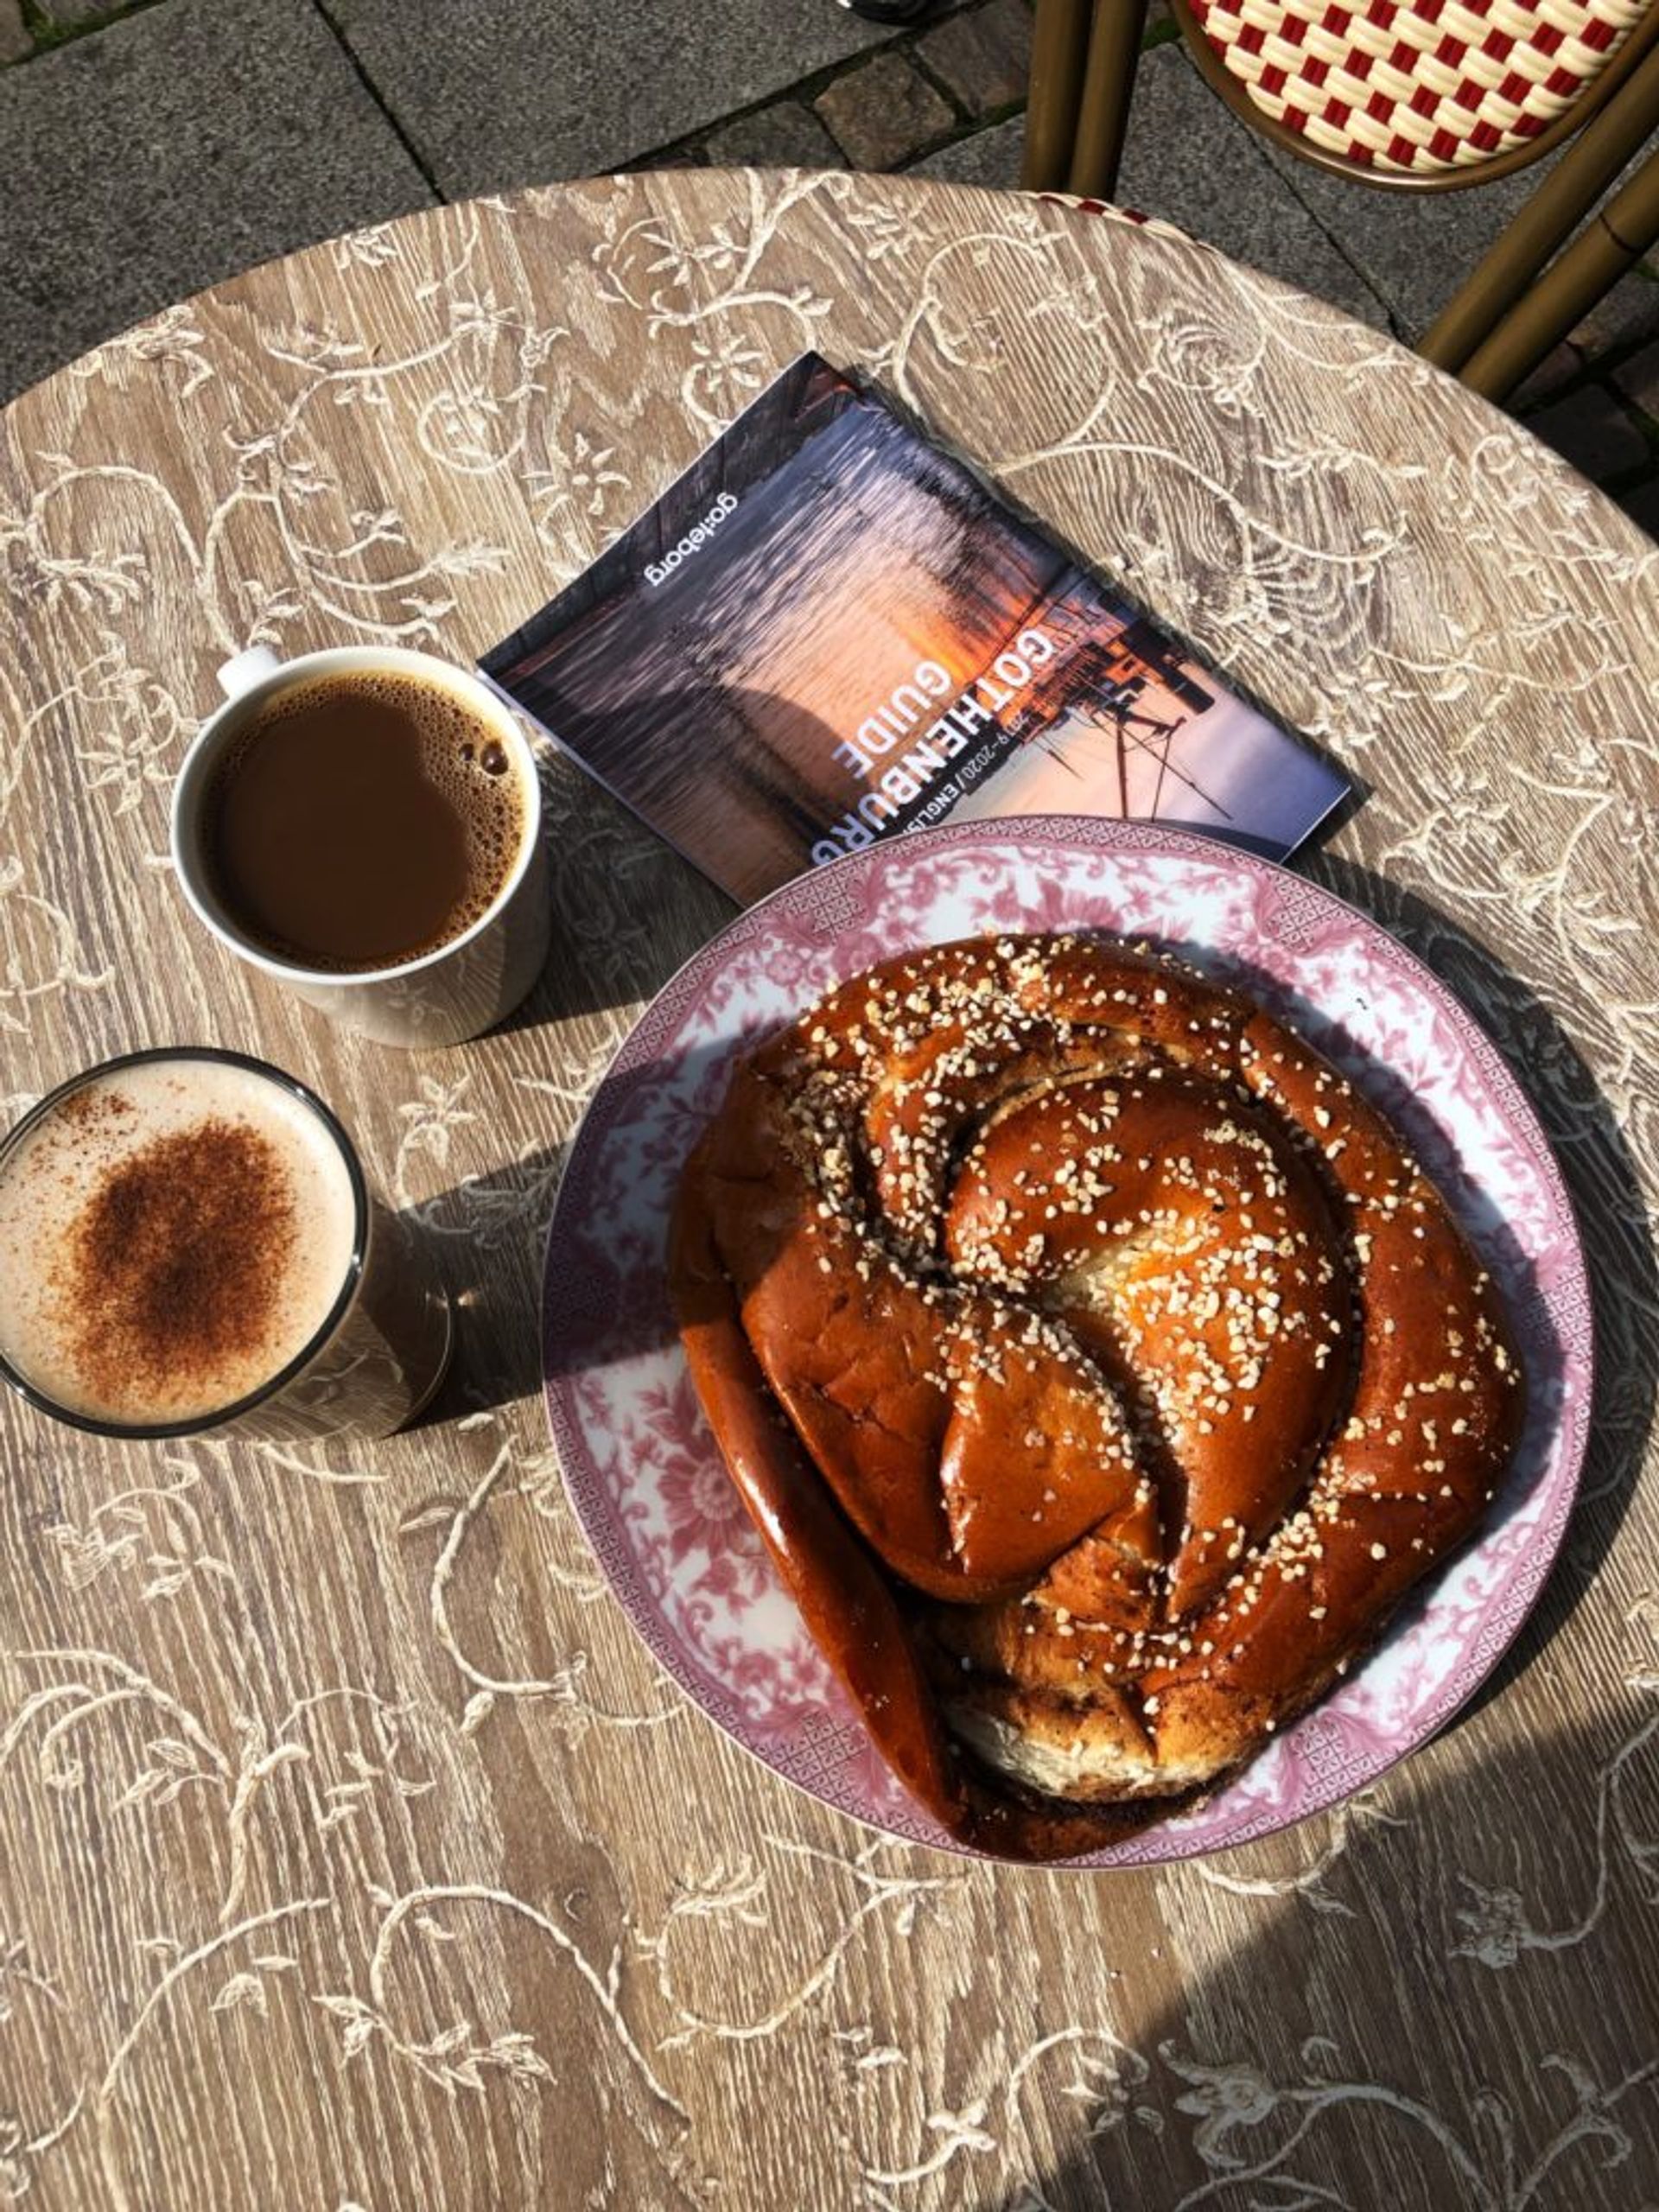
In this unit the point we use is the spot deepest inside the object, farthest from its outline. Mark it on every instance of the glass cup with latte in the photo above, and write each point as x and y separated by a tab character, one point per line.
187	1242
364	826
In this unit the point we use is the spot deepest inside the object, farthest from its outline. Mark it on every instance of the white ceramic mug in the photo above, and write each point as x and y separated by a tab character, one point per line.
442	997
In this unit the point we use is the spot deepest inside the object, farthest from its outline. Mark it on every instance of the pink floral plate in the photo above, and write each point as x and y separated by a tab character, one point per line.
643	1472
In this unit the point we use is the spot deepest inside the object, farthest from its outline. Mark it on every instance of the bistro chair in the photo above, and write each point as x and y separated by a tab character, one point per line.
1407	95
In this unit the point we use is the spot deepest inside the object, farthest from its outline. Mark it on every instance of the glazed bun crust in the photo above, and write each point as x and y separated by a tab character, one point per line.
1098	1366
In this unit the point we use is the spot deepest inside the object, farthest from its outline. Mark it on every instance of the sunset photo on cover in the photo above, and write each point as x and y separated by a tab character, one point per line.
828	631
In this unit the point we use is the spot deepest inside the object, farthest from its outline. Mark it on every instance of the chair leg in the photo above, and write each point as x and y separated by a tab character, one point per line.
1058	47
1621	233
1578	180
1108	86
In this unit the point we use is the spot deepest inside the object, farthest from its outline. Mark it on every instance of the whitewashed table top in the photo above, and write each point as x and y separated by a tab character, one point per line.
354	1854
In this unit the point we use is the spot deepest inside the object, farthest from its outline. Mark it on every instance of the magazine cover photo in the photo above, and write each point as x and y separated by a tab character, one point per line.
828	631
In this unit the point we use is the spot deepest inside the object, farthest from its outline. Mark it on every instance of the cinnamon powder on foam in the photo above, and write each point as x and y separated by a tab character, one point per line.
173	1272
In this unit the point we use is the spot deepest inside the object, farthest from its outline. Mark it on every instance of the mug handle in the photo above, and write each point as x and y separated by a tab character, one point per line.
247	668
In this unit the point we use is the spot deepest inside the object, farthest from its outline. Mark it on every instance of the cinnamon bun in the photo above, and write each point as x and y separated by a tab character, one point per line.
1098	1365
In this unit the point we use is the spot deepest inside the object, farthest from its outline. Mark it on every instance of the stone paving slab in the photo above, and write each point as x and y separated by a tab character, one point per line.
1638	379
1599	436
982	57
1643	507
170	151
66	15
786	135
522	91
1625	316
990	158
886	111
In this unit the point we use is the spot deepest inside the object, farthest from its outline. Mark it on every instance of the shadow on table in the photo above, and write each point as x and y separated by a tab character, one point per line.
1420	2003
603	1297
1594	1157
488	1235
588	972
625	919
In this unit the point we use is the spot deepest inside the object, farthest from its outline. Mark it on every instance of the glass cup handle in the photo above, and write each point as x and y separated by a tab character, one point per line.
248	669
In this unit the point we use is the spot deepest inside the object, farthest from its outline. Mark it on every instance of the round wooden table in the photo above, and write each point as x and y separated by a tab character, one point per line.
352	1853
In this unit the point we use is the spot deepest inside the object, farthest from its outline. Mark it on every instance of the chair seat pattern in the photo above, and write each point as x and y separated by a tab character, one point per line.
1416	86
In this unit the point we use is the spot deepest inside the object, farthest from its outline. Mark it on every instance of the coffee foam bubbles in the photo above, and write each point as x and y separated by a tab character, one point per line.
454	743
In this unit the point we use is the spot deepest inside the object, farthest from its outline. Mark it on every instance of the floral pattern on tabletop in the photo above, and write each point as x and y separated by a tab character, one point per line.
353	1851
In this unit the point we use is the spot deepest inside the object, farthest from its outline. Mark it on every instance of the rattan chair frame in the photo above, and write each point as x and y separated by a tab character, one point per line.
1501	321
1595	96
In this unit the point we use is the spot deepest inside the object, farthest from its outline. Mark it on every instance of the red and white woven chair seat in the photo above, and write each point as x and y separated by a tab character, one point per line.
1417	85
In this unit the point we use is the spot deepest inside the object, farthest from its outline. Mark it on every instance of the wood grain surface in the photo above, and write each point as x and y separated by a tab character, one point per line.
353	1853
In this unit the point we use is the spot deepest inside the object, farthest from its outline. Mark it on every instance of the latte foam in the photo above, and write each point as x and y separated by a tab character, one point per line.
173	1233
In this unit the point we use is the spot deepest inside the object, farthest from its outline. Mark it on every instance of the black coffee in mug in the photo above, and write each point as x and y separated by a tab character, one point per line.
362	819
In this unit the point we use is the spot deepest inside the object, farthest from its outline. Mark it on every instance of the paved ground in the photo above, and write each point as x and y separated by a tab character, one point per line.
150	149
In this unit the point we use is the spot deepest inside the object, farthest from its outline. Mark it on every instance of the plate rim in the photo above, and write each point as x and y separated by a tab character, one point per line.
1103	835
